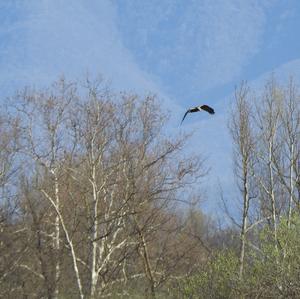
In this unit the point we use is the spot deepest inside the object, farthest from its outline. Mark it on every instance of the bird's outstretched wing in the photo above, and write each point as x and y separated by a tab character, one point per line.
188	111
207	109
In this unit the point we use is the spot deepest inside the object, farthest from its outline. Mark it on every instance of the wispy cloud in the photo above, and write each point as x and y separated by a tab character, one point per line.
196	44
40	40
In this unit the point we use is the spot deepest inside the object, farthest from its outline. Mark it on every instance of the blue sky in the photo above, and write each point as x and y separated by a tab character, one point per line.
187	52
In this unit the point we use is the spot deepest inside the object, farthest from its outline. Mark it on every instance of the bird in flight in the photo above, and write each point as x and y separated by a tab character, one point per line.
199	108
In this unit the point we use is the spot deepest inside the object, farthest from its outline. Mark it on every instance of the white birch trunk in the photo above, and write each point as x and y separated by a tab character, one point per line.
70	243
245	219
57	239
94	243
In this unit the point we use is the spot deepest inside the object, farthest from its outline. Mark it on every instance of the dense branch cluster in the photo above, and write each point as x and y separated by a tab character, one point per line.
89	189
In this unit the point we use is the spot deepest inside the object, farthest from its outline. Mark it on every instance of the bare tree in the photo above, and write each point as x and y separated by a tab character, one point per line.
10	230
44	142
269	108
287	167
130	182
244	143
